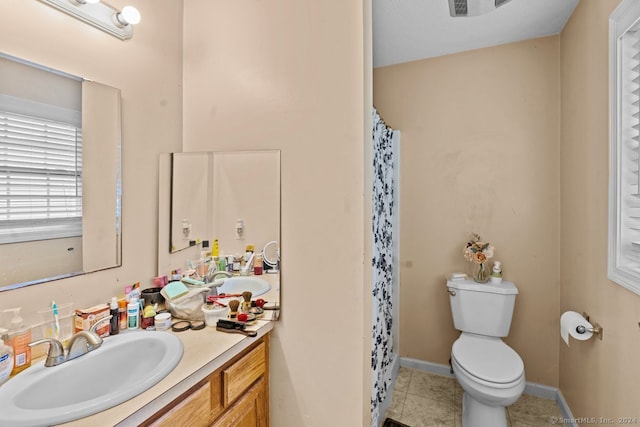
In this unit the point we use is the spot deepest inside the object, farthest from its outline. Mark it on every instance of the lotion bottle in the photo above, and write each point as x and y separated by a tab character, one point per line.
19	339
6	357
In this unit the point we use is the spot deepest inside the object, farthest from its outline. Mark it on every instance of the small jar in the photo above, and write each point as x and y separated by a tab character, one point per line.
162	321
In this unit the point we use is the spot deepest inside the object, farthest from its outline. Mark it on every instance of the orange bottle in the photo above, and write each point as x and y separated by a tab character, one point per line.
19	339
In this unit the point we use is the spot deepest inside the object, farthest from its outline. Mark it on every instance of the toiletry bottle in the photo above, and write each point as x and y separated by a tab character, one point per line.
19	338
6	357
205	254
114	323
133	314
122	314
496	273
215	250
257	265
222	263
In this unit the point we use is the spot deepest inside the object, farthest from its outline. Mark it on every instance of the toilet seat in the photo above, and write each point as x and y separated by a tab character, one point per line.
488	360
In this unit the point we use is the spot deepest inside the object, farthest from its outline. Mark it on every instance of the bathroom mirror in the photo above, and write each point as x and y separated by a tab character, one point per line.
60	174
190	199
240	207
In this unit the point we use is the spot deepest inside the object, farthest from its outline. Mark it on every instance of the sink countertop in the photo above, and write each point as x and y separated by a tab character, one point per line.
204	351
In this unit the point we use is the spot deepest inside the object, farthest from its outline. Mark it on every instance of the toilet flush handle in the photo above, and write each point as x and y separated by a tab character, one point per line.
451	292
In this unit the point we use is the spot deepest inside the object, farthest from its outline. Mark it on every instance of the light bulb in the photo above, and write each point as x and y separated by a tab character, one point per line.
130	15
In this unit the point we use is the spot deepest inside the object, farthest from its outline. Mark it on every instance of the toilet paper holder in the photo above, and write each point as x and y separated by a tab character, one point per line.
597	329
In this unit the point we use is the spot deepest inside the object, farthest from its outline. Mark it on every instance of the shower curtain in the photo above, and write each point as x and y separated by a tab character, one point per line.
383	200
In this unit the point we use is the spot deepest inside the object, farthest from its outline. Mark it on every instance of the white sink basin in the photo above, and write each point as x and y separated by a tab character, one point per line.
123	367
237	285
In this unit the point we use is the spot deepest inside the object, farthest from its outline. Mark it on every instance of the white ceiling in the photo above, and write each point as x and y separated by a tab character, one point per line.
408	30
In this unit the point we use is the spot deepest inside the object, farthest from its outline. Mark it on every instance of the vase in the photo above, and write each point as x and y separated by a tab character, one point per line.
481	275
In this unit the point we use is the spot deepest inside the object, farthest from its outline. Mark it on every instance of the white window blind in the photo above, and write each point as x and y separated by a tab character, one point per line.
40	178
624	192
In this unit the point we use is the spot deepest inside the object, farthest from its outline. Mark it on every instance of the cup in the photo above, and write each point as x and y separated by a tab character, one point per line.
65	322
213	312
151	296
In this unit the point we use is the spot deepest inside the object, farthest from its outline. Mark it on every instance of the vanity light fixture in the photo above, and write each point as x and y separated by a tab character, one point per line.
100	15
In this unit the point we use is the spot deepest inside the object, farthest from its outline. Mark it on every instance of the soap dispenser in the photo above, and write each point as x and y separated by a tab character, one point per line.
6	357
19	339
496	273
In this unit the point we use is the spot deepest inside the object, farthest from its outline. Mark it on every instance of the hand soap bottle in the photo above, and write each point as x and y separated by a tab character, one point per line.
496	273
19	339
6	357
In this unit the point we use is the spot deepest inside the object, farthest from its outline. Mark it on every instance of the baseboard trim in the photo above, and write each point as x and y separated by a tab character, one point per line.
533	389
421	365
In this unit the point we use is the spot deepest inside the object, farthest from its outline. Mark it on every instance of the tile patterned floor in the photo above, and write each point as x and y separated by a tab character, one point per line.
422	399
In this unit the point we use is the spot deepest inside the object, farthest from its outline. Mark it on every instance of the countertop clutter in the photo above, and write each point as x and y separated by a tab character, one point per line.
205	351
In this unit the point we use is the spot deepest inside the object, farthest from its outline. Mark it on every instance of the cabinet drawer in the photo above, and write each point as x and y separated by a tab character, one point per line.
238	377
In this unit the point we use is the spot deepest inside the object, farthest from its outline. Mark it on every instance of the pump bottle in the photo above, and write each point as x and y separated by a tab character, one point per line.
6	357
19	339
496	273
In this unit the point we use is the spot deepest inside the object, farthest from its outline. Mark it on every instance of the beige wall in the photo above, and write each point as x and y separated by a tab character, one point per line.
598	378
246	186
290	75
479	153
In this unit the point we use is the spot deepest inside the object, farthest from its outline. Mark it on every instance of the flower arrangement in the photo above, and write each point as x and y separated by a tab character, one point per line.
478	252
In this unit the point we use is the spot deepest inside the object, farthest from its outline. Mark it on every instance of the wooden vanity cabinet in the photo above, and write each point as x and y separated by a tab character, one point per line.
237	394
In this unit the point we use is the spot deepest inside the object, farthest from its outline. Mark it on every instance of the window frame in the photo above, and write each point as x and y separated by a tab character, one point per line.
622	19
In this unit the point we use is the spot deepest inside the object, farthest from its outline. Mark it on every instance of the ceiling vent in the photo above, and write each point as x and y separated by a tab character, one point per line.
473	7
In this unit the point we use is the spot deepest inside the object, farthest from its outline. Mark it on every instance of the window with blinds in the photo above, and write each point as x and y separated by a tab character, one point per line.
624	191
40	178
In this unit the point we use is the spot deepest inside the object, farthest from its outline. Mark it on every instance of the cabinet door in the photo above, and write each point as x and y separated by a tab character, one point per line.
249	411
194	410
238	377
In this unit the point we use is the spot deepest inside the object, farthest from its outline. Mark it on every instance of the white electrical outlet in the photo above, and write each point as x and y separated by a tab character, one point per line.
239	229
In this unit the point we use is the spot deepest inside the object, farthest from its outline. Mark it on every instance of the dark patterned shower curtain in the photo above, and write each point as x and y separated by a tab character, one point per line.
383	200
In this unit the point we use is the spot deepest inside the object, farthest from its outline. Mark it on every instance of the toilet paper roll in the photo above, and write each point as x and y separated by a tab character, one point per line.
570	321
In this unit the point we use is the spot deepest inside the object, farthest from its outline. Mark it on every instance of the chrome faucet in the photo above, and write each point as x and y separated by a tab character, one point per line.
213	287
85	341
81	343
212	277
55	356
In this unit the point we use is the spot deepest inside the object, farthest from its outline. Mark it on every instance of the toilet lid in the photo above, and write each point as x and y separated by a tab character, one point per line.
488	359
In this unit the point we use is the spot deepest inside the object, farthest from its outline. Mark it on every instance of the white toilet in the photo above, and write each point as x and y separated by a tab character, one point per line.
490	372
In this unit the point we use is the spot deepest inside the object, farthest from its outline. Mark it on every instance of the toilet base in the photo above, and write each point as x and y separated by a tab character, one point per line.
477	414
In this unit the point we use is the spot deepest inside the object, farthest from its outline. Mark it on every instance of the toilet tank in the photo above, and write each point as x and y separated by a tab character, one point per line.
482	308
